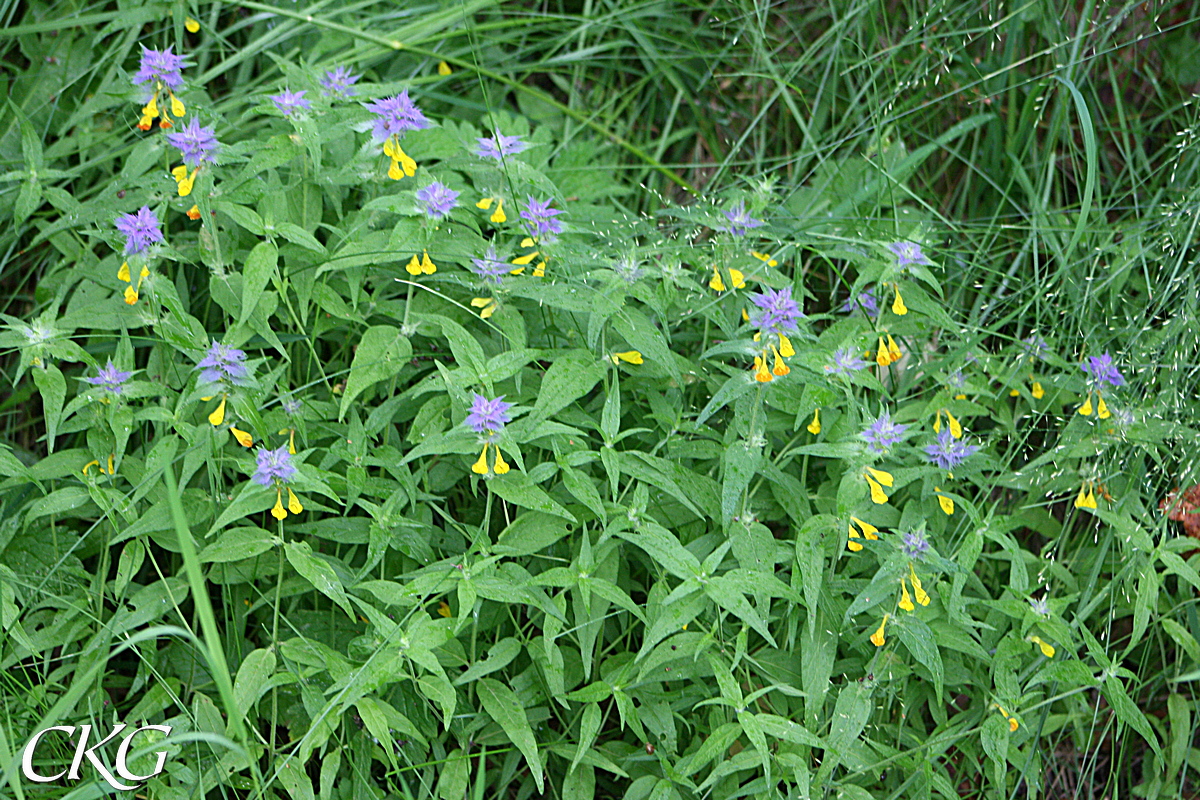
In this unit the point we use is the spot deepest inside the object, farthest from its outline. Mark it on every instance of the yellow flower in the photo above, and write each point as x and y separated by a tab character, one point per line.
523	260
1086	408
906	602
501	466
761	373
1087	497
877	495
779	368
1101	408
294	503
785	346
243	438
96	464
444	68
177	107
1038	392
278	512
401	164
852	545
869	532
443	609
427	265
629	357
498	216
218	416
540	270
946	503
485	203
193	213
883	357
918	591
123	272
765	258
1047	649
192	27
877	637
814	427
487	306
893	349
480	467
292	441
883	477
1012	720
898	307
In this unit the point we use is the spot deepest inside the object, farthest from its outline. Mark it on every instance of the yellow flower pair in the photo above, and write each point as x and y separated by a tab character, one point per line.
736	277
869	532
876	480
402	164
151	109
780	352
480	467
955	427
1101	407
293	504
423	267
888	353
919	592
123	274
498	216
97	465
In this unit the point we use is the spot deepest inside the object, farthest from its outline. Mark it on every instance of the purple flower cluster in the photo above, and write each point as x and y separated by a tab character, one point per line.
488	416
883	433
777	311
1035	346
908	254
949	452
865	301
541	218
140	230
845	361
162	66
437	199
291	103
273	466
914	545
490	268
1102	370
224	363
197	144
339	83
396	115
499	146
110	378
740	221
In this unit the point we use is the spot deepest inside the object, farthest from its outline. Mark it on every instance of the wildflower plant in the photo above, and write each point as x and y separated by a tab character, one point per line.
578	489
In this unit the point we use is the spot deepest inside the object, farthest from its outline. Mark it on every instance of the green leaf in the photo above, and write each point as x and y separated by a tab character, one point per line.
297	235
251	680
1127	711
53	388
739	464
572	375
236	544
256	274
502	705
381	354
516	488
664	549
454	777
498	657
295	779
529	533
919	640
317	572
732	600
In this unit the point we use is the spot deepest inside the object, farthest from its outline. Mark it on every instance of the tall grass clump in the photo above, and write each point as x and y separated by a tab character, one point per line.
604	399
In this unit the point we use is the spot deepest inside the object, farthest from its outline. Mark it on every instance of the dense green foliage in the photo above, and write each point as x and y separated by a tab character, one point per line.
710	550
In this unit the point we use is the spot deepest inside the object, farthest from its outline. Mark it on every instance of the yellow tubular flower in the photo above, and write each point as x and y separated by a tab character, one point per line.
523	260
294	503
278	512
1038	392
528	241
1013	724
779	368
486	305
955	428
851	545
540	270
893	349
1046	648
413	267
480	467
1014	392
192	27
501	465
243	438
177	107
877	637
877	495
193	213
427	265
785	346
186	183
123	272
498	217
765	258
919	592
898	307
814	427
1086	498
716	283
739	279
91	464
883	357
485	203
906	602
761	373
292	441
218	416
1086	408
444	68
869	531
1102	408
946	503
394	172
883	477
443	609
629	357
